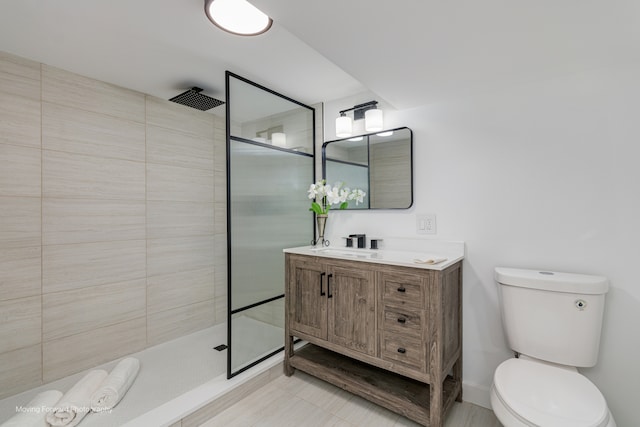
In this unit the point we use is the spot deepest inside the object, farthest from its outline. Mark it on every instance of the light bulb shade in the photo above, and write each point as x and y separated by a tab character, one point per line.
279	139
373	120
344	127
237	17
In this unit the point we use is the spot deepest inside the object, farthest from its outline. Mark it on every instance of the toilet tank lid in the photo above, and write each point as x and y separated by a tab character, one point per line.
552	281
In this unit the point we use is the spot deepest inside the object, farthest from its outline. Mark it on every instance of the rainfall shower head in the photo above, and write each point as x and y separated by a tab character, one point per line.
194	99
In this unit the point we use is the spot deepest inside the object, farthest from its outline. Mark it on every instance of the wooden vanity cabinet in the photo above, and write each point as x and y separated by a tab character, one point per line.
333	302
390	334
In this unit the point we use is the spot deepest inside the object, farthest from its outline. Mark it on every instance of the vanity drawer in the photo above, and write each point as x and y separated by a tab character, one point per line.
403	291
402	321
407	350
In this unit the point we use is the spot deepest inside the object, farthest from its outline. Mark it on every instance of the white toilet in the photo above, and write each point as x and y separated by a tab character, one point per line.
553	322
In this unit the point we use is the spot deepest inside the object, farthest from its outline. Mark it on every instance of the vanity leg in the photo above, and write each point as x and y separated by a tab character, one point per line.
435	404
288	352
457	375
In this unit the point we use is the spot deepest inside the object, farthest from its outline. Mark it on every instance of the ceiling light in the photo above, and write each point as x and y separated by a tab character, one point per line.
368	111
237	17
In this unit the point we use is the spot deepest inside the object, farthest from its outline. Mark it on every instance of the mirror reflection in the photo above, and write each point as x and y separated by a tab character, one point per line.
380	164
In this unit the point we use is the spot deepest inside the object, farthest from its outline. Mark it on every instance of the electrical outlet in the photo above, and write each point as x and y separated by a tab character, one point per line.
426	224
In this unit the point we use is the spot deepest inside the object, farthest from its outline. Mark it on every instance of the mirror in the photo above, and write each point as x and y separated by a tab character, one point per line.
380	163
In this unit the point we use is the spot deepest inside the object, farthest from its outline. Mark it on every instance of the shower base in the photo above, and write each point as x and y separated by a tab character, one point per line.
183	379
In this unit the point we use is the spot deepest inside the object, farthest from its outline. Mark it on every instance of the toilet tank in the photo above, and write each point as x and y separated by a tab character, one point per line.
553	316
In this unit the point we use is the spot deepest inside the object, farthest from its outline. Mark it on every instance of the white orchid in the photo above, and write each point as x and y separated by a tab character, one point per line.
325	195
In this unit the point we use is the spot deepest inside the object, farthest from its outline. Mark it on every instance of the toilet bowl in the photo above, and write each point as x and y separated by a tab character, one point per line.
528	393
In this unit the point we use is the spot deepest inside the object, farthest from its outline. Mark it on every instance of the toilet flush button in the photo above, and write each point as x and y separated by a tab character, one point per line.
581	304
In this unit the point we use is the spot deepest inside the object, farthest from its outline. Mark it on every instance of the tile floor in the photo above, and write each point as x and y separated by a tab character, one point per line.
305	401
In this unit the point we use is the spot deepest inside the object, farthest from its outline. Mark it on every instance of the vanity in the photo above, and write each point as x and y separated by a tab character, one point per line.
379	325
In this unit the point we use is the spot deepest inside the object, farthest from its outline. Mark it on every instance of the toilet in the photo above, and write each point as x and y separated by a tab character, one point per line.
552	321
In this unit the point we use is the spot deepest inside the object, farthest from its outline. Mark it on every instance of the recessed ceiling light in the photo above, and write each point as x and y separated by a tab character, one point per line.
237	17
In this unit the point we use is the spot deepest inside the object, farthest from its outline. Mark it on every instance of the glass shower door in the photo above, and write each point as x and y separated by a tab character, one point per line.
270	164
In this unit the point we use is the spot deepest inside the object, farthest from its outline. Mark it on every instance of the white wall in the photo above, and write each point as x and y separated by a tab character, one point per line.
541	175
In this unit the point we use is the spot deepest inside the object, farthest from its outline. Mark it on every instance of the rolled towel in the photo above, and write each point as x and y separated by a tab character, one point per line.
114	387
76	403
34	413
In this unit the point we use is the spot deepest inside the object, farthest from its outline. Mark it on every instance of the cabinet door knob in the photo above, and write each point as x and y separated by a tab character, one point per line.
402	350
402	289
322	293
329	294
401	320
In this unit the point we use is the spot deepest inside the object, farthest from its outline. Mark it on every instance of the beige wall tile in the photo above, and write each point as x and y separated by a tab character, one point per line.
180	184
19	66
220	187
20	370
78	176
165	256
65	88
84	220
20	272
67	267
175	219
20	171
171	147
75	353
20	124
20	323
174	116
84	132
19	109
220	212
20	222
220	308
87	309
170	324
173	290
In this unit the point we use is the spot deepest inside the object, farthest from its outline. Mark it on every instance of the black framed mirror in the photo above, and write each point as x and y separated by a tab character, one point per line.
379	163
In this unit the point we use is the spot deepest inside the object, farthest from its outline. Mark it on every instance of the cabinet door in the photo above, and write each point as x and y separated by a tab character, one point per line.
308	298
351	308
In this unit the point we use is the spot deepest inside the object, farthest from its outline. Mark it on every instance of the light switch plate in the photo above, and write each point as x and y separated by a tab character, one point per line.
426	223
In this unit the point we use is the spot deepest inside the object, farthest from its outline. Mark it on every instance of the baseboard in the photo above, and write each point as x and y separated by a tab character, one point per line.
476	394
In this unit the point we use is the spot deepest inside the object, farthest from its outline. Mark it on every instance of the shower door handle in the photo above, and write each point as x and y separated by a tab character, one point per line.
329	294
322	293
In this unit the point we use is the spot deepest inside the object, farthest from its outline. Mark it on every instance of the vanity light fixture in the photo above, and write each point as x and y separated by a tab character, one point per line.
368	111
237	17
279	139
356	139
387	133
344	126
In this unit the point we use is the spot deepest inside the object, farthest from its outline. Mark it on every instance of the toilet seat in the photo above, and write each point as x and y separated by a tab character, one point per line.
539	394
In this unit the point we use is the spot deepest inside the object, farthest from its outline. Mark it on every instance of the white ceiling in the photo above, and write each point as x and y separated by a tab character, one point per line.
407	52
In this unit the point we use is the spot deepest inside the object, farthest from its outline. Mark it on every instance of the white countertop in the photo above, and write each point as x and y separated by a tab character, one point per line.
447	255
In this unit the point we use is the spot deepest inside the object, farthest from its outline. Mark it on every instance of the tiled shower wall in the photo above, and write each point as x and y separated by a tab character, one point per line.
112	227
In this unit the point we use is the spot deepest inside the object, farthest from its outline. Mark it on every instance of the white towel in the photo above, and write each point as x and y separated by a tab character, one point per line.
34	413
431	261
114	387
76	403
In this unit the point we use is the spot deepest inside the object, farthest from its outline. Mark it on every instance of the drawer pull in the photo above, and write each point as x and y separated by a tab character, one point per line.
402	350
402	289
402	320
